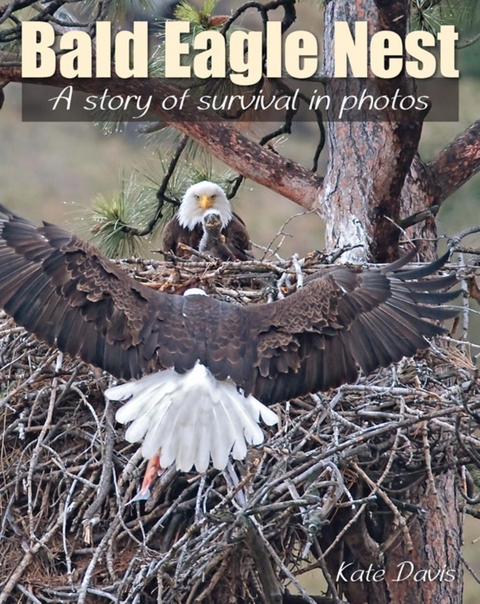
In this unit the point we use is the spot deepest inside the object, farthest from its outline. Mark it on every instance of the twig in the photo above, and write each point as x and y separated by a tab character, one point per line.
179	544
161	191
280	564
26	560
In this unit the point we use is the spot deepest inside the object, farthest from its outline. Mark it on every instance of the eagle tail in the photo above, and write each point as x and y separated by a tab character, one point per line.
190	418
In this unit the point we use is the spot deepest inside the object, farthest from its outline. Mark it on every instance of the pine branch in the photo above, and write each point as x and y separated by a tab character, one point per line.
223	141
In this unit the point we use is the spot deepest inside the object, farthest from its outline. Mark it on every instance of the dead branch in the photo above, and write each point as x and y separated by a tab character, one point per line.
457	163
222	140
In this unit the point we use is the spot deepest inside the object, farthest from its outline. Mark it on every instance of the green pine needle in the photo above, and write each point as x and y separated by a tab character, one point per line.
429	15
132	207
186	12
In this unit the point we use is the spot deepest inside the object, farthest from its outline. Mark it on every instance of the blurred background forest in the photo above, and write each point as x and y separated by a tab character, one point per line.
54	171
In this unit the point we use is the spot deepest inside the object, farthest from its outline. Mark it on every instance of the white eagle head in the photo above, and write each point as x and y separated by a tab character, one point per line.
200	199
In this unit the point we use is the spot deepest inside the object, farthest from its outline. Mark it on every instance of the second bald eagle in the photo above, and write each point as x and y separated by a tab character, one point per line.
186	227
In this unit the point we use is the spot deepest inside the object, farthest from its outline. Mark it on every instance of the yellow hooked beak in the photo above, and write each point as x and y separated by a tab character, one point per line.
205	202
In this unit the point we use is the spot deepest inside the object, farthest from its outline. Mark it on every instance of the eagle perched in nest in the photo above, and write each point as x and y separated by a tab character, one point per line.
187	226
205	371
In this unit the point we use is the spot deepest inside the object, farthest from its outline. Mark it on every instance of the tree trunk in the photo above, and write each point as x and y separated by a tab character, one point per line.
373	182
369	160
423	566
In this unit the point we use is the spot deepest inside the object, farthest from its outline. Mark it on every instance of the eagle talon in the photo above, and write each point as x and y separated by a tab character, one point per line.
142	495
152	472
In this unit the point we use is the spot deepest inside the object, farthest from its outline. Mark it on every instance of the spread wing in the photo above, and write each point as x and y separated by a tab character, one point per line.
71	296
317	338
236	236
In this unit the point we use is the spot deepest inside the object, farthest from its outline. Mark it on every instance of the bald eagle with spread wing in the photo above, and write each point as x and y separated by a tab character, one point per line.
204	371
186	227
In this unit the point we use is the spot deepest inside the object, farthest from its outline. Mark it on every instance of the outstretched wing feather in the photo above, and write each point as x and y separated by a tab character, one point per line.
68	294
345	320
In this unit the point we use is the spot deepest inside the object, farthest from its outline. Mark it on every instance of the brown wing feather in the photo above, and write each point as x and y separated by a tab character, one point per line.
69	295
317	338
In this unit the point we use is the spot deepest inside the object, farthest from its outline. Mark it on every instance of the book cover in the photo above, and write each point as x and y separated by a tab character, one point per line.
294	435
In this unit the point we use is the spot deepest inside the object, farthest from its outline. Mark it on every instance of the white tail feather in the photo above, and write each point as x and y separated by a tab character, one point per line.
190	418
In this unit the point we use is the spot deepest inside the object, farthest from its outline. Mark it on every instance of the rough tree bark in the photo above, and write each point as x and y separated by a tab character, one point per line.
369	160
374	178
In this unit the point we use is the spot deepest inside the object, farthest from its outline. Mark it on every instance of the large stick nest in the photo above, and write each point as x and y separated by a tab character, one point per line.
68	531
